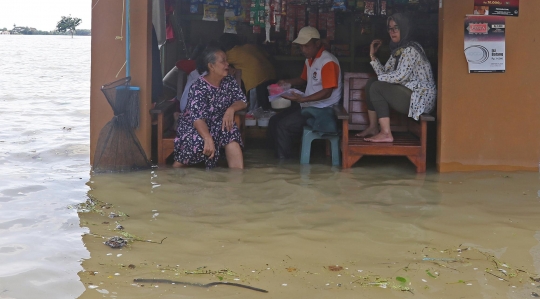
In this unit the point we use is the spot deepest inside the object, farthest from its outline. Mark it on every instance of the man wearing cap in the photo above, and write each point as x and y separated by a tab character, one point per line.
322	77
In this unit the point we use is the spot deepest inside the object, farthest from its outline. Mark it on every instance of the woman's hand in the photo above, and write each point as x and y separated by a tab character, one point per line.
209	148
228	120
374	47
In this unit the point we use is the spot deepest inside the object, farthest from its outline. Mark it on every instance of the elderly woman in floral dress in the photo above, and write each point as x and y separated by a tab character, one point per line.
207	124
405	83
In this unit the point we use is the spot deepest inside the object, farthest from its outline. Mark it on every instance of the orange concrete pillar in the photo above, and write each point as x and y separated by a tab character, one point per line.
108	57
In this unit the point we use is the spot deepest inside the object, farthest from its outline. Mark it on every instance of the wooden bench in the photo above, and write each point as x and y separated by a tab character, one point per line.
409	135
164	114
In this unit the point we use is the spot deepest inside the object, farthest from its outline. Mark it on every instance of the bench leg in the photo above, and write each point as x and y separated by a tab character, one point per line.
161	158
419	162
349	161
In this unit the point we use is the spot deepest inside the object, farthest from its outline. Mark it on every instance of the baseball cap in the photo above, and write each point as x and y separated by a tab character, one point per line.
306	34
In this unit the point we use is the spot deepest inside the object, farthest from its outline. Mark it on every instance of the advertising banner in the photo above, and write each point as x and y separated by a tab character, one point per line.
485	44
509	8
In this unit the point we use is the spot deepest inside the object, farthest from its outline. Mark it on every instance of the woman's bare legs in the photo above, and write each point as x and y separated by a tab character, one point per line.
177	164
373	128
235	158
385	135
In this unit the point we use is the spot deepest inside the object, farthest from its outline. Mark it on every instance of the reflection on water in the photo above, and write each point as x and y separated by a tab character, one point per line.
375	231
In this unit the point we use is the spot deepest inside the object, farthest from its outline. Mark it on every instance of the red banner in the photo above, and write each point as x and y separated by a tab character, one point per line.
496	7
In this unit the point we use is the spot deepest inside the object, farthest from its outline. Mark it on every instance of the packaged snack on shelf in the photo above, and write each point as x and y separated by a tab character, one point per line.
300	17
246	9
230	21
331	26
210	12
322	19
369	8
360	5
383	8
338	5
312	19
291	16
290	33
193	6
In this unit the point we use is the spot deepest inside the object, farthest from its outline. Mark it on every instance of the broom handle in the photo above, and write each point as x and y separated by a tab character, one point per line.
128	42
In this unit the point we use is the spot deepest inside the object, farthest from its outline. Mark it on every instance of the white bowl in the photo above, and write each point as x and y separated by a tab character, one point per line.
263	122
251	122
280	103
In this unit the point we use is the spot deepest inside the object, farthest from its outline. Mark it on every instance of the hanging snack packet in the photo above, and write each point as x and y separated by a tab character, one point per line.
291	14
300	17
331	26
194	6
360	5
369	8
312	18
290	33
246	8
210	12
322	19
383	8
338	5
230	21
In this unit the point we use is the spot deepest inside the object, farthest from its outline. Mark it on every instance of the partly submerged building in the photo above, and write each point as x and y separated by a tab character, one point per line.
485	121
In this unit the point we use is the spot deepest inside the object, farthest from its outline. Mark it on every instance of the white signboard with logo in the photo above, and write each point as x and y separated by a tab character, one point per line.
485	45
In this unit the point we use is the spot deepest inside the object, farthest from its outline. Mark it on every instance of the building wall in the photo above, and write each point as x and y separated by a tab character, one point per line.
108	57
489	121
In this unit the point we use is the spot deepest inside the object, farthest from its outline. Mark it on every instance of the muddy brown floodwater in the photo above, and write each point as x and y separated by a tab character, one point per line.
376	231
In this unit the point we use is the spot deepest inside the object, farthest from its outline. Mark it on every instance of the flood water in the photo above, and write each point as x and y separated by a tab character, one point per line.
378	230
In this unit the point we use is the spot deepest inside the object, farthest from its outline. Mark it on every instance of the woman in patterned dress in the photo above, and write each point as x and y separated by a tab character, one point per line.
207	124
405	83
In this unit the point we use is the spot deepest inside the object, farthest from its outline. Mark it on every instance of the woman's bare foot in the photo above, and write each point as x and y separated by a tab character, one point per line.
368	132
381	137
177	164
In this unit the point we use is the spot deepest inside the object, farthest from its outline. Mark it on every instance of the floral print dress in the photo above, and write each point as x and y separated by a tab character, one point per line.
413	72
207	102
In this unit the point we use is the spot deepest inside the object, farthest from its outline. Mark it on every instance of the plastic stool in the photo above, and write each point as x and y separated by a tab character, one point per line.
309	135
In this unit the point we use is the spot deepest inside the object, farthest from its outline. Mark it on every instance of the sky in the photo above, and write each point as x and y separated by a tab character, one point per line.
44	14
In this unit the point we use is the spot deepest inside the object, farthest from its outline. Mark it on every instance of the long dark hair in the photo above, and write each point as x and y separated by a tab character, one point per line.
207	56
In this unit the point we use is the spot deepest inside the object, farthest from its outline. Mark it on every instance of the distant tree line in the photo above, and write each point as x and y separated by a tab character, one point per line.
66	26
34	31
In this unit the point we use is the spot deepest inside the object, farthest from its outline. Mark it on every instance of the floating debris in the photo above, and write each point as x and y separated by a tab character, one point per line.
335	268
291	269
144	280
119	227
439	259
116	242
